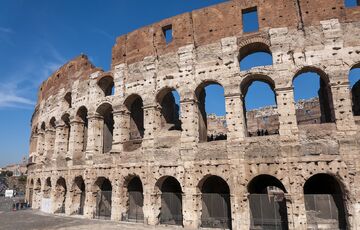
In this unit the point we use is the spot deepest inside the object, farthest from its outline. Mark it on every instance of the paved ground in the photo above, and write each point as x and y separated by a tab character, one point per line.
36	220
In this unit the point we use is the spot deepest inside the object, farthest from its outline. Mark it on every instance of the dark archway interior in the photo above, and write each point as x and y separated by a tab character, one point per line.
105	185
107	85
215	184
259	184
136	119
135	185
82	114
170	112
216	208
170	184
106	112
136	200
324	200
66	119
355	93
68	99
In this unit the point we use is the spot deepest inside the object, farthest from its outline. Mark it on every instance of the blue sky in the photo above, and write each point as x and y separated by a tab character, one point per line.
38	36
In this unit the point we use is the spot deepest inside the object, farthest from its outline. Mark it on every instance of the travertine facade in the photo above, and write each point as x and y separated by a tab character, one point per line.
86	139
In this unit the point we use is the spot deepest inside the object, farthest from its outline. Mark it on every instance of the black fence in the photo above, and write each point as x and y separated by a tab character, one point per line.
216	211
268	212
103	205
135	211
325	211
171	208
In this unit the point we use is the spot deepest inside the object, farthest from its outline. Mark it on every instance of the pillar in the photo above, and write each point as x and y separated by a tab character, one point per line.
235	117
287	111
94	141
190	123
121	133
152	124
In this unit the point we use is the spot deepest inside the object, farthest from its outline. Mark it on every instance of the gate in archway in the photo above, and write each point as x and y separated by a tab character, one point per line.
216	210
268	212
171	208
136	202
103	205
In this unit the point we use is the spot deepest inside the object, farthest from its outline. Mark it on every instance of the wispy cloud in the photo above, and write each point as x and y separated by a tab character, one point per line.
5	35
6	30
20	86
104	33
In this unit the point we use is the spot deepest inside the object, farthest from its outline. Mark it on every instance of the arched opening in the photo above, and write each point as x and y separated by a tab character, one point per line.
60	195
106	111
171	201
37	193
51	139
216	207
134	104
78	196
106	84
354	79
82	114
31	192
68	99
66	130
135	200
47	188
313	97
267	201
324	204
169	100
254	54
103	198
211	107
260	106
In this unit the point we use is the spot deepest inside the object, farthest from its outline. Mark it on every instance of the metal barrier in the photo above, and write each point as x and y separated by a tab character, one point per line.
103	205
171	208
216	211
135	212
268	212
325	211
80	210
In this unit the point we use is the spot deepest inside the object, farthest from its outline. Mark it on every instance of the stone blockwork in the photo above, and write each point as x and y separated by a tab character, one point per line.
112	142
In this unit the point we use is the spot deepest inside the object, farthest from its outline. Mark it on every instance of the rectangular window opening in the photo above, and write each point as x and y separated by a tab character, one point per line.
167	30
352	3
250	20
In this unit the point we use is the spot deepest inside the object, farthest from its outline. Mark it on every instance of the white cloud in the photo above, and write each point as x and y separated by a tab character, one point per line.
22	84
6	30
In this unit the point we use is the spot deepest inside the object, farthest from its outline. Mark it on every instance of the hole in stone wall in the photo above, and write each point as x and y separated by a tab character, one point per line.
211	105
134	105
168	33
67	129
68	99
250	20
354	79
83	126
254	54
313	98
107	85
169	101
106	111
261	114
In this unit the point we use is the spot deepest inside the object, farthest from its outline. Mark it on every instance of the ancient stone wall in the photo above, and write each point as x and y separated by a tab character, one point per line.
92	140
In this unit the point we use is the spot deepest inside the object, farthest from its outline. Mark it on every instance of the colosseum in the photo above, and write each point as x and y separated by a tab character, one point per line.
115	145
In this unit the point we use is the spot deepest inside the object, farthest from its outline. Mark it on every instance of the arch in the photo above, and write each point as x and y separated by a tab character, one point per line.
212	120
60	195
324	202
82	117
216	205
52	123
38	184
309	112
31	192
255	54
354	79
170	108
134	104
135	201
260	119
106	84
43	126
68	99
78	196
106	112
103	187
47	188
67	129
171	201
267	194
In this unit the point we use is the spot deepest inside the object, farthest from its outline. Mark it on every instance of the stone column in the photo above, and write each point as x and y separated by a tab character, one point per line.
190	123
152	124
59	145
94	141
190	213
50	145
116	201
75	141
287	111
121	129
40	147
235	117
342	106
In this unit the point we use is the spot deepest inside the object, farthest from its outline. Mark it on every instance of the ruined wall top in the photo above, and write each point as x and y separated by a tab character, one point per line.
210	24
